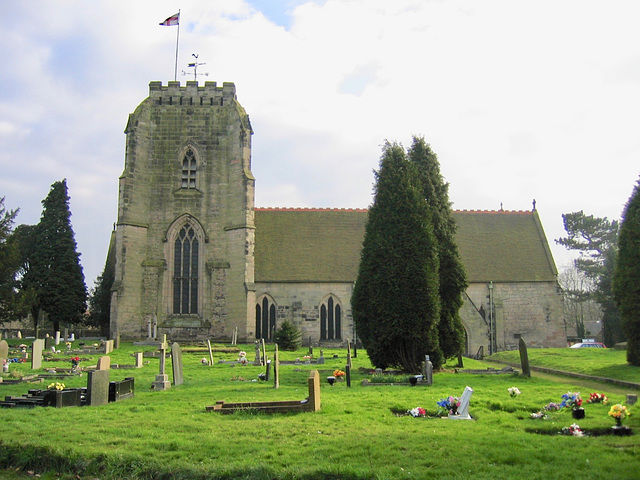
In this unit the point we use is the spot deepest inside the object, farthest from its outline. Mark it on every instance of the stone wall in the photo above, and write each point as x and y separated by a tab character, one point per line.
300	303
531	310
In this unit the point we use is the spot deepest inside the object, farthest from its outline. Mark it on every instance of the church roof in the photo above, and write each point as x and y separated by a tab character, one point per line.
323	245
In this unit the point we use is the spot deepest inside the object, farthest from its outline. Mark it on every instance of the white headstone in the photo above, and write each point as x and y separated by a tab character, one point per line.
463	409
57	338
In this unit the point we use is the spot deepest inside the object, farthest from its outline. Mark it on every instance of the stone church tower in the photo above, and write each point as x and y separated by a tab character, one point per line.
184	239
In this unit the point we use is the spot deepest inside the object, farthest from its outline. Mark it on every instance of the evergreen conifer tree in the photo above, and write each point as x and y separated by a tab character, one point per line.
100	299
395	301
626	278
453	277
8	263
55	268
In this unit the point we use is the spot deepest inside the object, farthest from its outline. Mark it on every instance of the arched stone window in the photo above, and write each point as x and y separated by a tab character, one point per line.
265	317
186	257
330	319
189	166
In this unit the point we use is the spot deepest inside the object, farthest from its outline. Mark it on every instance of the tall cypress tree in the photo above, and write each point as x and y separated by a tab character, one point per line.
626	277
453	277
395	300
100	299
55	268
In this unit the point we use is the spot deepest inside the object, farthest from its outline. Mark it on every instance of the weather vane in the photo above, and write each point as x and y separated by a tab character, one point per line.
195	65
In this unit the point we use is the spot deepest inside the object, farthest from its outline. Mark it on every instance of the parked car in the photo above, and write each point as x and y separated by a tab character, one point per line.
588	345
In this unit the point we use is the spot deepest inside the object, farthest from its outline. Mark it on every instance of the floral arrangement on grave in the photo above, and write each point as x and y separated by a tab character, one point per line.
306	358
598	398
539	415
204	362
242	358
571	400
513	391
417	412
449	405
56	386
551	406
619	412
74	362
338	373
574	430
68	344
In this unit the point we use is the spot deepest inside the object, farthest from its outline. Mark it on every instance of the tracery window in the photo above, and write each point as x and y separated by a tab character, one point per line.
330	319
265	318
185	271
189	165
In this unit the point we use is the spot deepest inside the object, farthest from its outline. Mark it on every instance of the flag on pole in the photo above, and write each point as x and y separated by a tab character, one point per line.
172	20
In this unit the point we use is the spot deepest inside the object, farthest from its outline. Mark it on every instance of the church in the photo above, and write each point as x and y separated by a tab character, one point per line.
194	258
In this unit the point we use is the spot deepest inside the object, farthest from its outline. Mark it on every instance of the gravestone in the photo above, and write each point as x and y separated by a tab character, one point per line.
321	358
264	352
57	340
632	398
19	334
463	409
268	371
162	379
104	363
524	358
139	359
276	368
176	363
257	361
348	374
108	346
349	354
210	352
48	342
36	353
428	370
116	341
4	349
98	387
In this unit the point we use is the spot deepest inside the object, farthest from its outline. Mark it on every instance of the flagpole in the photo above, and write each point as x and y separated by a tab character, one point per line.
175	73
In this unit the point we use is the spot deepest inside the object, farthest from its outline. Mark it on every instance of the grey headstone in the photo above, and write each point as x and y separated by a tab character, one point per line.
428	372
176	363
139	359
268	370
524	358
276	368
104	363
210	353
163	360
632	398
36	353
348	374
4	349
98	387
48	343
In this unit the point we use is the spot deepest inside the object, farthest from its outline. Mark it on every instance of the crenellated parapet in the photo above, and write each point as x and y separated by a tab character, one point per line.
192	93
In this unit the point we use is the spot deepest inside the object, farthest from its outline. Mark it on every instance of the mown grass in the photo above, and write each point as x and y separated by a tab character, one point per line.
600	362
356	434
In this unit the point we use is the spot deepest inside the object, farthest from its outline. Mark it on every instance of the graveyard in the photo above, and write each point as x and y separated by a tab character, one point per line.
366	424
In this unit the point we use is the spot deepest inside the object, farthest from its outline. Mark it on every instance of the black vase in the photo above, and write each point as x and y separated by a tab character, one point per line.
413	381
577	413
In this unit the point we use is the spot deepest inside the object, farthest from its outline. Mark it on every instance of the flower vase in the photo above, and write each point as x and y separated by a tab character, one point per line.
413	380
577	413
331	380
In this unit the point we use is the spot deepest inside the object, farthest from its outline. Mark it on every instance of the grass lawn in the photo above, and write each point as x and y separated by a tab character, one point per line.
600	362
358	433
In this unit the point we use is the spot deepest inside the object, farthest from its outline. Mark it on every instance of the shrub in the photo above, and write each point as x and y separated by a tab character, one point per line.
288	336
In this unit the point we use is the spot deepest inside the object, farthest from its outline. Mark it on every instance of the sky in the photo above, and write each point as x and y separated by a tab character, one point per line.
519	100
